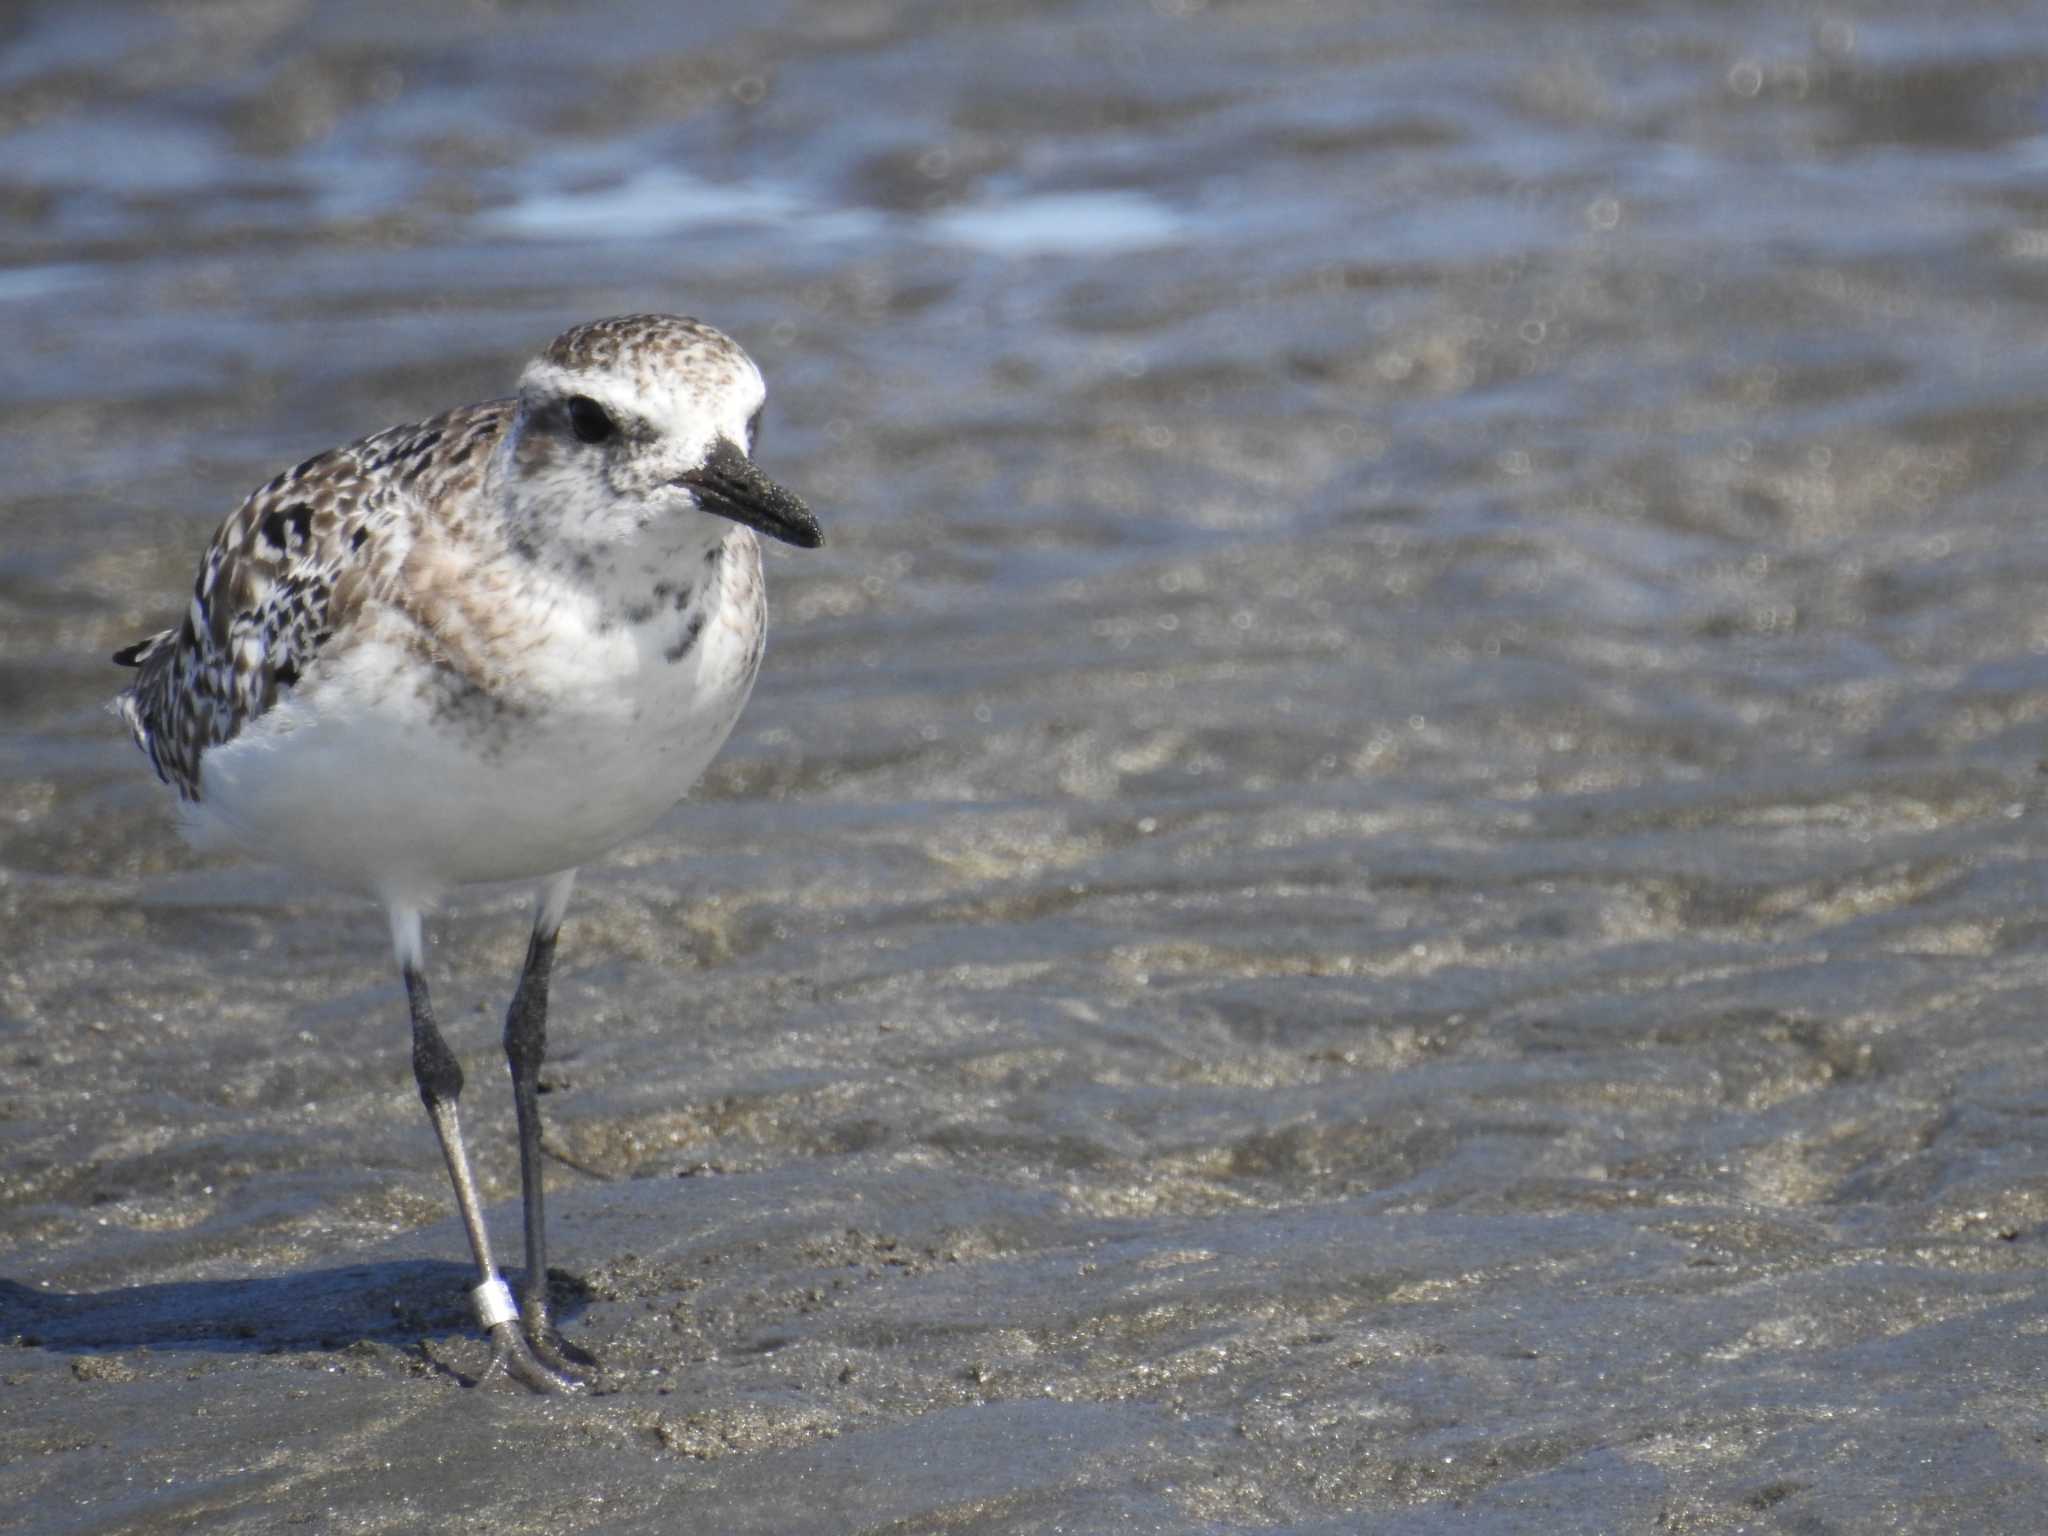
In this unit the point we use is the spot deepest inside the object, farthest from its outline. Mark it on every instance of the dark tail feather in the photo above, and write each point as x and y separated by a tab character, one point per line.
136	654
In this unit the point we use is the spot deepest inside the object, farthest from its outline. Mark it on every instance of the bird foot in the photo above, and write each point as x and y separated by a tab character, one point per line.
513	1357
566	1359
570	1360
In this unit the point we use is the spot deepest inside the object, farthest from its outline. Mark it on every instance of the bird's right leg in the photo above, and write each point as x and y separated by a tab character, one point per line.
439	1076
526	1044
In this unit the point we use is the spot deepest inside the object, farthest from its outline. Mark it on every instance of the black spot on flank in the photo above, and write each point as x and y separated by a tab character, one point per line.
714	554
663	590
300	471
131	655
186	633
639	613
360	537
287	675
460	455
524	547
685	640
423	446
288	523
485	717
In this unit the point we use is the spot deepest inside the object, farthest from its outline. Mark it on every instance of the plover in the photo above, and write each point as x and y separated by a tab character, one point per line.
488	646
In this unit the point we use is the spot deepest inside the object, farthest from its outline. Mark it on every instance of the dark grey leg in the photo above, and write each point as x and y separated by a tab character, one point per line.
526	1044
439	1076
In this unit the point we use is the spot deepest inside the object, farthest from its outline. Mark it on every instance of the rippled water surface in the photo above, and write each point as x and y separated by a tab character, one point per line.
1389	876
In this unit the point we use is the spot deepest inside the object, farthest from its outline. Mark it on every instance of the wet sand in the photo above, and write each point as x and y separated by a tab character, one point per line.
1388	878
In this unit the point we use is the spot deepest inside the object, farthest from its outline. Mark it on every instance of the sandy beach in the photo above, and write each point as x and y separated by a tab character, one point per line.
1389	877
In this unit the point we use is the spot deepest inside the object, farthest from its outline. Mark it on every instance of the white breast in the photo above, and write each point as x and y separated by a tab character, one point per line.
396	777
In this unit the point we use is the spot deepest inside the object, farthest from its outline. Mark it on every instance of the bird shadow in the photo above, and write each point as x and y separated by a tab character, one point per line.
399	1302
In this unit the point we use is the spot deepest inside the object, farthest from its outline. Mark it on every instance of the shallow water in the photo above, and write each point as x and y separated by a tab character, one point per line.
1388	877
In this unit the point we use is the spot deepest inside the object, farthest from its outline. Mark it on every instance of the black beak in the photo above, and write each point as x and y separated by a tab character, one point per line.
730	486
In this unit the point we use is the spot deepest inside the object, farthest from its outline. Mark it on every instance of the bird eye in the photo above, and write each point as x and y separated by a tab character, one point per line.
588	420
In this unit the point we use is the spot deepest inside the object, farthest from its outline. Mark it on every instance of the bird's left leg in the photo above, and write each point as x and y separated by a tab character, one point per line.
526	1042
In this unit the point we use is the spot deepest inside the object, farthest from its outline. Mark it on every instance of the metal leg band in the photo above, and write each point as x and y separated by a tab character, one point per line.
493	1301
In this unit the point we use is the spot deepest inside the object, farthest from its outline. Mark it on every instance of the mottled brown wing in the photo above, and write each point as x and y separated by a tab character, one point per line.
282	575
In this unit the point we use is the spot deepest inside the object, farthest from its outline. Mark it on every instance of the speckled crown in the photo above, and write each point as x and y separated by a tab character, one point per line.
642	344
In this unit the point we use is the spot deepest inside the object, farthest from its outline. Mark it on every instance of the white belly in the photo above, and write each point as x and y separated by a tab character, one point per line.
370	781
